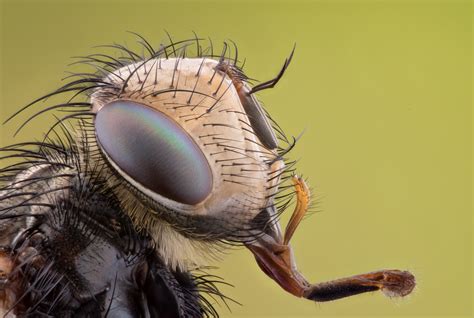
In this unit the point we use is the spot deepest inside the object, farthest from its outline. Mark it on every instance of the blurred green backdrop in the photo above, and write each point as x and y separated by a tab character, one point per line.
383	89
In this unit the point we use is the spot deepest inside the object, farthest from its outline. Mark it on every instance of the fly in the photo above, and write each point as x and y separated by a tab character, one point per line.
157	161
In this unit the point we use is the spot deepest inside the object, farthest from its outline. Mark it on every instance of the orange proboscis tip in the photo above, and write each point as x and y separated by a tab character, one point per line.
303	196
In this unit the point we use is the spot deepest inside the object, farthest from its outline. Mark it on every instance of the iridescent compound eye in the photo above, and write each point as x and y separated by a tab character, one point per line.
152	150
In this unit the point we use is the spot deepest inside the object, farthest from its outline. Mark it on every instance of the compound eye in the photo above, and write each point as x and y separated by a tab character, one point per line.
154	151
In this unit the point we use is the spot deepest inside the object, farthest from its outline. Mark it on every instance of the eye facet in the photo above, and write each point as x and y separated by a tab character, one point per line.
154	151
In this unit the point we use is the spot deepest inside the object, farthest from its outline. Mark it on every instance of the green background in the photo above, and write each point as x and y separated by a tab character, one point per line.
383	89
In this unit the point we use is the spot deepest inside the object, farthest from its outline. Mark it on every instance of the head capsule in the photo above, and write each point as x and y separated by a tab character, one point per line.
188	143
189	146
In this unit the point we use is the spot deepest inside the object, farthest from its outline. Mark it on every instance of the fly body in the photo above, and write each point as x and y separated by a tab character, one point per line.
157	162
